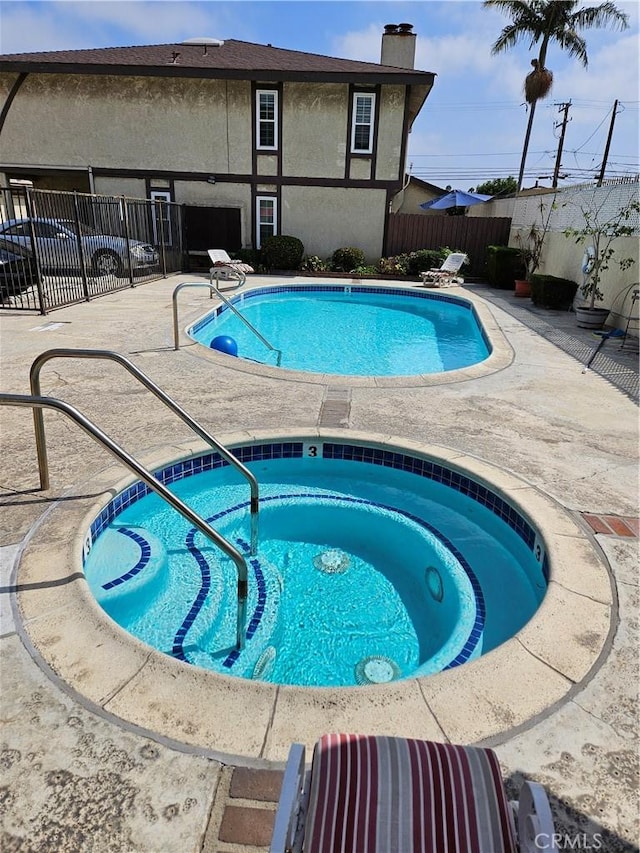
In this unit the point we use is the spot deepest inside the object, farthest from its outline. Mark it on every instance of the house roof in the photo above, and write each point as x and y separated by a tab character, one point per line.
229	59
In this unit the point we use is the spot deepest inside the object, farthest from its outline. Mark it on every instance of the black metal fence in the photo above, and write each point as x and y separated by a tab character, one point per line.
60	248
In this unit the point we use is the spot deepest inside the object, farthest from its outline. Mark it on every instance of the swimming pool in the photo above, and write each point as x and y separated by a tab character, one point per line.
373	565
350	330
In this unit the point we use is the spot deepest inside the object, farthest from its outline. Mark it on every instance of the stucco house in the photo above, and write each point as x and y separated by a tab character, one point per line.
252	139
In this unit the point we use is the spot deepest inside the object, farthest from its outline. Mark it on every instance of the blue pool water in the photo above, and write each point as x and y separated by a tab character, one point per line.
368	570
351	330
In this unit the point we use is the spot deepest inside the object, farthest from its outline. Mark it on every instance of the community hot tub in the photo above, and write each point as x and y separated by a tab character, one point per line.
477	605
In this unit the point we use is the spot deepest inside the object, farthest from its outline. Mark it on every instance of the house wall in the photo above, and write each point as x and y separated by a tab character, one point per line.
133	122
172	126
334	218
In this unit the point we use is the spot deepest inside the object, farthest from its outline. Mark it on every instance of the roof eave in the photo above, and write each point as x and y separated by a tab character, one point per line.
367	77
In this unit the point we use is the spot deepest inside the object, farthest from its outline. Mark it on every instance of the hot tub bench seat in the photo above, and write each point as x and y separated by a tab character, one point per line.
374	794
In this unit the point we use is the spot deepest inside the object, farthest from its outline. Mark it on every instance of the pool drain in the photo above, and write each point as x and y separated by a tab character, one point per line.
376	670
332	561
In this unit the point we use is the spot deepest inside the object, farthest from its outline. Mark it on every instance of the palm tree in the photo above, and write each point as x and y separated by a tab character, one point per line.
547	21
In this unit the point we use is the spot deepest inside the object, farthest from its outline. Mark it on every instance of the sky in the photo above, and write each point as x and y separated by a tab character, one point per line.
471	127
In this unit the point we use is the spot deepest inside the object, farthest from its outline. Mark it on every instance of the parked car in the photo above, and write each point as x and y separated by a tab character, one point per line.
17	269
58	243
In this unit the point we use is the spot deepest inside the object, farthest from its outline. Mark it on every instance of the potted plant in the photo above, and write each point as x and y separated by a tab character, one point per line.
600	229
530	242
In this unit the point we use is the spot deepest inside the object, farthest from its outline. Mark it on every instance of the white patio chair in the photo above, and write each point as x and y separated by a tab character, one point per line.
373	794
225	269
446	276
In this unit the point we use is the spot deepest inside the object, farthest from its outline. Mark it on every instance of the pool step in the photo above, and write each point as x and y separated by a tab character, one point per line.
122	588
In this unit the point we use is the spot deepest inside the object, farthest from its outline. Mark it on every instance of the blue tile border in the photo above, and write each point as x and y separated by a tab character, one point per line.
331	450
429	469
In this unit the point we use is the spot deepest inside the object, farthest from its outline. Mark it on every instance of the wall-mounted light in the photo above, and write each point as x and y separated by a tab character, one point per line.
211	179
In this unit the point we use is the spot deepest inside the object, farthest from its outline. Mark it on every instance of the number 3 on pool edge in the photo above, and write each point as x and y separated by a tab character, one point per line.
311	450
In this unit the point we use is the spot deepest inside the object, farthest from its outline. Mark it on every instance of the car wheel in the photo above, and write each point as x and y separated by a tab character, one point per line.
106	262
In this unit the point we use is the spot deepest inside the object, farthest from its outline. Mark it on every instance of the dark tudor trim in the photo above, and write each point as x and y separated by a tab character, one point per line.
172	177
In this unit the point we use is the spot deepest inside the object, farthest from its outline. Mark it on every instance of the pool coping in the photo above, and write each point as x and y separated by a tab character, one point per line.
252	723
501	354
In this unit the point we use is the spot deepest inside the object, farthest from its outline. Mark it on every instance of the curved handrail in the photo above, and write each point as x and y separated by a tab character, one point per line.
214	289
38	402
176	332
38	420
240	316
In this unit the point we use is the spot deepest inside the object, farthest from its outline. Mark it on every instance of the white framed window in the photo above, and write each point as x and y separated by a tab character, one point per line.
267	119
362	123
266	218
160	216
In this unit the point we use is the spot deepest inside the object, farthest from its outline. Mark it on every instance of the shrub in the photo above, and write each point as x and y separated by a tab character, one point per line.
369	269
282	252
248	256
312	263
347	259
549	291
393	266
503	266
425	259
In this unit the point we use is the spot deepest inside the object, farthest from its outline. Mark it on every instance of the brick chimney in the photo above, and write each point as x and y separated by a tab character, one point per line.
398	46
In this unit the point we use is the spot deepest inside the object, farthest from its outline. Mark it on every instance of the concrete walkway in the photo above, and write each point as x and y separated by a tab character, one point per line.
78	780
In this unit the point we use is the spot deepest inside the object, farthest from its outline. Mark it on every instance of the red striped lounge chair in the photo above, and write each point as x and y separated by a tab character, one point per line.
447	275
368	794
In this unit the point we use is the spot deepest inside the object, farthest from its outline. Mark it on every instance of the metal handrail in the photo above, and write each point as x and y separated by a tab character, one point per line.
38	402
176	332
248	325
38	421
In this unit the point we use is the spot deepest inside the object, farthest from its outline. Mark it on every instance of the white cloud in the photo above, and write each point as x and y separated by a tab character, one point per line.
62	25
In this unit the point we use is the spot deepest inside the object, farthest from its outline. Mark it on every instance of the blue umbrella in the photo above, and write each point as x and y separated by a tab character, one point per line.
455	198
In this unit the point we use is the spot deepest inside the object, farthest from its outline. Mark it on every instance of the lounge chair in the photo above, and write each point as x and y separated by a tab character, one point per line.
372	794
446	276
225	269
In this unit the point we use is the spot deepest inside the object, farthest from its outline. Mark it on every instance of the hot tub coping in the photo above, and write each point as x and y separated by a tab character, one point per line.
253	723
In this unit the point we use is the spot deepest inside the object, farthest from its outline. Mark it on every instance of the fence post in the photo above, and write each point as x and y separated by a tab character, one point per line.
83	266
34	248
127	237
161	230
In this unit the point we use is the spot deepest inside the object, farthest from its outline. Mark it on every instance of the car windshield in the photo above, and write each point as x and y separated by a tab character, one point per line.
85	230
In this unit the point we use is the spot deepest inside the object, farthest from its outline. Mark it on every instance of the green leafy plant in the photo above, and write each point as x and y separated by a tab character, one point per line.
530	241
282	252
393	265
600	229
312	263
347	259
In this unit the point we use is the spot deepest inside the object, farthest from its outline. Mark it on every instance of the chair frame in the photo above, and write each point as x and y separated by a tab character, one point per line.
446	276
531	817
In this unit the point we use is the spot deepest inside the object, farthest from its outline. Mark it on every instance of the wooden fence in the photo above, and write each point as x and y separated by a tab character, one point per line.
407	232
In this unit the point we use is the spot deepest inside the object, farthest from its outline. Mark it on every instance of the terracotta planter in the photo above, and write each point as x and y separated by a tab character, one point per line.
591	318
523	288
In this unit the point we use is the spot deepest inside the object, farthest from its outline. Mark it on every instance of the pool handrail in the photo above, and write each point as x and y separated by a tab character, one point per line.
213	289
241	316
174	299
38	421
37	403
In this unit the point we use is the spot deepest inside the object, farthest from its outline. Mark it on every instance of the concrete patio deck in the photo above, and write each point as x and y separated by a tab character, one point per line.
76	778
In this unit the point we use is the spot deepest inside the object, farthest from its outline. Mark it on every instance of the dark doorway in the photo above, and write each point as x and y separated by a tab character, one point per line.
212	228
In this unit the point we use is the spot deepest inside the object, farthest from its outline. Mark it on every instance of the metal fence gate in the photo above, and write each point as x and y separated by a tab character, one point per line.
59	248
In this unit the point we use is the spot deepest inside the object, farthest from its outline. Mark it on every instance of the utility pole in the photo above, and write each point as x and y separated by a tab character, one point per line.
556	171
608	145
